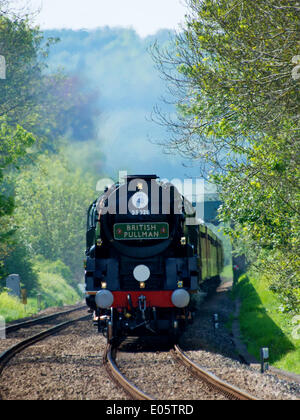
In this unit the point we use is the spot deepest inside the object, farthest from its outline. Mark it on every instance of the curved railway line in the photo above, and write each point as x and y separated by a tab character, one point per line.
36	321
116	375
8	354
230	391
143	369
216	384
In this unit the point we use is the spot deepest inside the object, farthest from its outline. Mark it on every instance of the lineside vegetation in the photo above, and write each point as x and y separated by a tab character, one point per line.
42	198
232	72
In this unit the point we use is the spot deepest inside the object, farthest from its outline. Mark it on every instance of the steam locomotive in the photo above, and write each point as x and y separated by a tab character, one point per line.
146	257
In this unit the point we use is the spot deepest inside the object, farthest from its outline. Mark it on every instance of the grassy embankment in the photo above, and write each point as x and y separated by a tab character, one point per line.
263	324
54	290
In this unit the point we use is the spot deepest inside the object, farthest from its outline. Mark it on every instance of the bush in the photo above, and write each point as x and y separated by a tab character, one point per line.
18	262
51	203
55	290
54	287
55	267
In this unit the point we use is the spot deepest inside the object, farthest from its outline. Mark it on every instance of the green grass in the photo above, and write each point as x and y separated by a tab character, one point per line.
11	308
264	325
54	290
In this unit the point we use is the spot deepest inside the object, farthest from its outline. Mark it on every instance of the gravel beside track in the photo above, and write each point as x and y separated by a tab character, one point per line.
265	387
26	332
157	373
216	352
9	342
67	366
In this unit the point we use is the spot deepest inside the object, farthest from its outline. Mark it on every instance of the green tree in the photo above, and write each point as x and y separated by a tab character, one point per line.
19	46
25	105
13	146
23	91
238	98
48	104
51	209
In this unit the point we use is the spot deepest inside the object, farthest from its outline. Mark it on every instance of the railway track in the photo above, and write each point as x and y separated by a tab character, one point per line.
230	391
26	324
51	370
8	354
116	375
214	383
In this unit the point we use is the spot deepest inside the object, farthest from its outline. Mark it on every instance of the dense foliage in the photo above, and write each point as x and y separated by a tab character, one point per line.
13	145
51	211
42	198
233	69
18	44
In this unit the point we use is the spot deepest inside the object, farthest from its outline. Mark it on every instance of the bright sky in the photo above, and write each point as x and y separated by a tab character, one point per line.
146	16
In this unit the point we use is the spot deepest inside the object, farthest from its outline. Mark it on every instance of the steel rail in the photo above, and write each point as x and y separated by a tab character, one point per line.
230	391
17	348
119	378
41	320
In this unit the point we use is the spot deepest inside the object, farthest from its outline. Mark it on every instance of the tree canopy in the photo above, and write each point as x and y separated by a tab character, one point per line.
37	109
51	211
232	71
